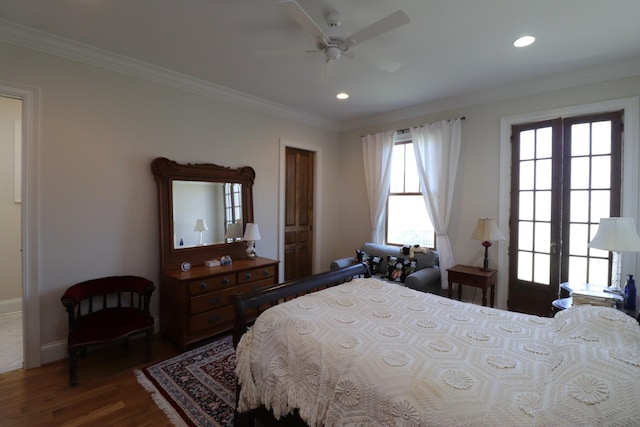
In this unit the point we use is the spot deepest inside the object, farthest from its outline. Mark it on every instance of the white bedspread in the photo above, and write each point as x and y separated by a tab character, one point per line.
371	352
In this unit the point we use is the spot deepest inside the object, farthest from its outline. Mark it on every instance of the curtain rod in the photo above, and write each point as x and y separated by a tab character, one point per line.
408	130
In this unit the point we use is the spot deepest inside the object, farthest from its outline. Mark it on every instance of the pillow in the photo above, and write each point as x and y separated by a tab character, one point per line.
395	267
426	260
409	265
372	261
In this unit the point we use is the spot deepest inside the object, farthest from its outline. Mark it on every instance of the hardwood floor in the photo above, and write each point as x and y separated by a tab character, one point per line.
107	394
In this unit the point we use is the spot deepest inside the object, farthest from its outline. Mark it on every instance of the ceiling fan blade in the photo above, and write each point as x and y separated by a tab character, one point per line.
391	22
284	52
381	63
298	14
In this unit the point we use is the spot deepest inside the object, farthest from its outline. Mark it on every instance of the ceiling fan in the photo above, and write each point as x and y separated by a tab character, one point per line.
333	47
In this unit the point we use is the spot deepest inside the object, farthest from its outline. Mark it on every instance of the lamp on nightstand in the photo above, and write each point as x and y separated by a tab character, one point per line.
616	235
488	232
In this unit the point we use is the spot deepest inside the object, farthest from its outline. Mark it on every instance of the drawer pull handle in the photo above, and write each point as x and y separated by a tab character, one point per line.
214	301
214	319
257	287
225	280
265	272
247	276
202	286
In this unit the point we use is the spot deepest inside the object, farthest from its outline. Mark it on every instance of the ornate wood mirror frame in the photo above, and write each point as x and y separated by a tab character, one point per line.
166	172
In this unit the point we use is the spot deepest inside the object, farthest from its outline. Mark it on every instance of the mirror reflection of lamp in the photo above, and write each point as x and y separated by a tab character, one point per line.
201	225
488	232
234	232
251	234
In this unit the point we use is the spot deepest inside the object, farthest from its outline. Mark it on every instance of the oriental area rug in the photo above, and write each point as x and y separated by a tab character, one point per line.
196	388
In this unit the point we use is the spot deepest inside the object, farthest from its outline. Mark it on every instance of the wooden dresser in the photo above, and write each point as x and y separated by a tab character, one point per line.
194	305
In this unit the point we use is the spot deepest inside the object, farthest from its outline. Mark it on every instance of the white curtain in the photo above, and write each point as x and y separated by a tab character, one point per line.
437	149
377	151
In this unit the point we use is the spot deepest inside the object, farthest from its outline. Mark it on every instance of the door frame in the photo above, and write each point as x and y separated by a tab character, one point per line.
631	109
317	213
30	97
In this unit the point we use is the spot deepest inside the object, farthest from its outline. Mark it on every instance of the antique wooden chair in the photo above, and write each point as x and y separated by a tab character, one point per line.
107	310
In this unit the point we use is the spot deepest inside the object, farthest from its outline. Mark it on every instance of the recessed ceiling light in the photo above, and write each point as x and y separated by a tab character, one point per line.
342	95
524	41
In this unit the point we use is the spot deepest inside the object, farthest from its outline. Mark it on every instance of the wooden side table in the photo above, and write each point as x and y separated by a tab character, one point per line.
472	276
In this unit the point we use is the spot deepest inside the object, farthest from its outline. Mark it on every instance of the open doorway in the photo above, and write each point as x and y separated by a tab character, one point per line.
11	333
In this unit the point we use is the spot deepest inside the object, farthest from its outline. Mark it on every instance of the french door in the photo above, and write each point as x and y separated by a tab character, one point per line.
565	175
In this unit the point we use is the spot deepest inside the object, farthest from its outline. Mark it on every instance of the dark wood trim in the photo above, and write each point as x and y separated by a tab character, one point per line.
165	171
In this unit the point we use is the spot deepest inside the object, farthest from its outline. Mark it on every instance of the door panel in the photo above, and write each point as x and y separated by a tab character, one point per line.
298	233
535	217
594	165
566	175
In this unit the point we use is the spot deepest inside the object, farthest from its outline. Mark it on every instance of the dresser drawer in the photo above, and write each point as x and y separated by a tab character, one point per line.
214	319
256	274
211	284
202	303
207	302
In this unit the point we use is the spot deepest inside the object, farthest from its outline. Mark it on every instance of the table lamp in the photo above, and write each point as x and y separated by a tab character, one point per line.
251	234
616	235
488	232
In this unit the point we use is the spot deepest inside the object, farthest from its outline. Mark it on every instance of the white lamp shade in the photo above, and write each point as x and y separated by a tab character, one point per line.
201	225
251	232
487	230
616	235
234	230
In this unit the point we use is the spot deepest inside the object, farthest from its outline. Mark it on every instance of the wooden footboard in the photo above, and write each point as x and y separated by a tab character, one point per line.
248	306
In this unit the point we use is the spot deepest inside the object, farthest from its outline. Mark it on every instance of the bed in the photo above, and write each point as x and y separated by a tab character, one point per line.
370	352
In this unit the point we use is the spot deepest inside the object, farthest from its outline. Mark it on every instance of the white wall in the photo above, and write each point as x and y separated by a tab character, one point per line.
99	132
10	260
477	183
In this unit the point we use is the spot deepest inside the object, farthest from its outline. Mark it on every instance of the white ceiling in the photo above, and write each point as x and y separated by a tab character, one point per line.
450	49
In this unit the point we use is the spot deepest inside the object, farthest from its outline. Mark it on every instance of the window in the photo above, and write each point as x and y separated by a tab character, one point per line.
408	222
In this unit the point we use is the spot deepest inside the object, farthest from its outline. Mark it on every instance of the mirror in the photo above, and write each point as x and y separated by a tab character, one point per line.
205	213
203	210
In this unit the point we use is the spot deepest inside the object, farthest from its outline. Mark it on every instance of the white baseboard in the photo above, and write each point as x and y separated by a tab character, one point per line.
53	352
57	350
10	305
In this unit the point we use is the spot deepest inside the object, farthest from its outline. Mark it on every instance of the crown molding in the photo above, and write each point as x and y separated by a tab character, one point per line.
522	88
54	45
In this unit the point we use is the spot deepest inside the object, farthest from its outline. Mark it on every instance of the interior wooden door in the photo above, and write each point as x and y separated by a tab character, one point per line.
298	232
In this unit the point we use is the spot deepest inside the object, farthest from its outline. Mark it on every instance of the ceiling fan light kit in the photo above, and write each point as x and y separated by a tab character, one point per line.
334	47
332	52
333	19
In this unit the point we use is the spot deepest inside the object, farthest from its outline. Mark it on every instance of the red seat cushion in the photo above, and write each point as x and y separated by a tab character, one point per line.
107	325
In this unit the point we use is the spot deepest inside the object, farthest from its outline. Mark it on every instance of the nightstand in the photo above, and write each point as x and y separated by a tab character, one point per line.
472	276
566	301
